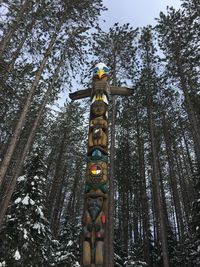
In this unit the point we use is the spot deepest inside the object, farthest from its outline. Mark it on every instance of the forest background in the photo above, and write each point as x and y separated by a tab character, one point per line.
48	46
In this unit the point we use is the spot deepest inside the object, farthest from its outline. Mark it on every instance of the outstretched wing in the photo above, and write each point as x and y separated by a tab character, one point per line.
80	94
124	91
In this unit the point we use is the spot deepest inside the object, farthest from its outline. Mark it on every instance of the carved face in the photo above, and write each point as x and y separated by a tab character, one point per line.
101	70
94	206
98	108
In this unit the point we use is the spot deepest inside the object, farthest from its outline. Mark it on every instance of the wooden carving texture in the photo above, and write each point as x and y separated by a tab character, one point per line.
96	184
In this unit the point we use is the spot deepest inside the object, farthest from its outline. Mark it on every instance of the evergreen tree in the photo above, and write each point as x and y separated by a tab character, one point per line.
25	237
178	38
56	27
119	253
157	148
67	252
66	162
135	259
194	244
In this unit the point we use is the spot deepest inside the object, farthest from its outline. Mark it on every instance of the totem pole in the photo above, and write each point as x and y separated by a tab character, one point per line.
97	180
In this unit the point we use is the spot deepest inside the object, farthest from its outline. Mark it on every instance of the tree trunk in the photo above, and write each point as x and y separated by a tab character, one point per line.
162	193
18	50
57	208
173	183
12	28
156	227
144	198
188	175
156	184
71	211
57	180
184	193
187	148
111	205
22	155
20	123
190	110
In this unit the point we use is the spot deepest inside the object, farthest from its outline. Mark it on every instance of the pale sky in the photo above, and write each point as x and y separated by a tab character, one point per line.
137	12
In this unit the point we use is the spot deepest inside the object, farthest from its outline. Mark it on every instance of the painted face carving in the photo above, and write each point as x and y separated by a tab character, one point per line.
100	70
94	206
98	108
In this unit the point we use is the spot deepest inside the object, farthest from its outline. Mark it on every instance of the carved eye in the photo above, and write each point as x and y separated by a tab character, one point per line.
106	69
101	199
89	200
95	70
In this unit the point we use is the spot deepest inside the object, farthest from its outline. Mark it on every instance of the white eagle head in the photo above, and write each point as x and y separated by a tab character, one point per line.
101	70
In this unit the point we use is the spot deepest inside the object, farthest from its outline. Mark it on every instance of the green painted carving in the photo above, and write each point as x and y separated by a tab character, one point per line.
98	155
102	187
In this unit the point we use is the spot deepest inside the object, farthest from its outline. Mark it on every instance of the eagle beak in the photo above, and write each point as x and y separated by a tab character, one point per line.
100	73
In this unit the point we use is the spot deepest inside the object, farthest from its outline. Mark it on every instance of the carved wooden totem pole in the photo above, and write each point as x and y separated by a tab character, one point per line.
97	180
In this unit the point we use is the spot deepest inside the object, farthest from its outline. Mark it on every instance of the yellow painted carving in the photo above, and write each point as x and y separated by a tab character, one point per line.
99	253
86	253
